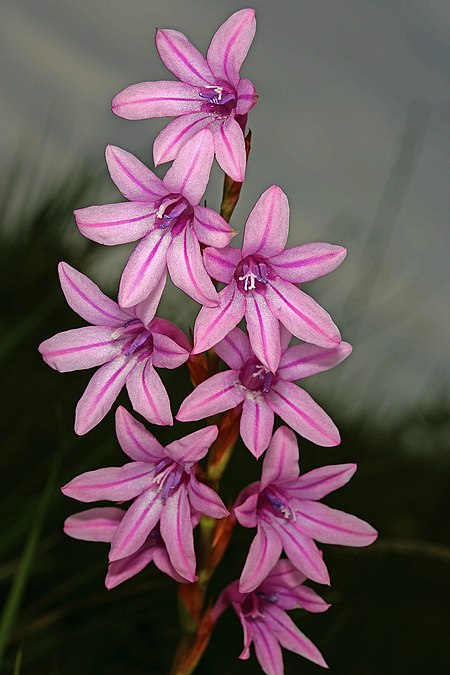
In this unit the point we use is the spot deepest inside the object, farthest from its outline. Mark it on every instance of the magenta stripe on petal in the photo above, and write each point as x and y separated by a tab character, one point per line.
304	416
62	270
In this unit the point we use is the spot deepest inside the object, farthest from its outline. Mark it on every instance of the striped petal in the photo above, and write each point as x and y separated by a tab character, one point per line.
169	141
156	99
234	349
320	482
281	460
148	395
263	554
267	226
221	264
192	447
189	173
101	392
97	524
182	58
301	315
230	44
135	440
135	180
213	323
87	300
305	360
299	410
204	500
302	552
210	228
176	531
331	526
309	261
126	568
81	348
256	425
144	269
229	147
290	637
247	96
167	353
145	310
186	269
267	649
138	522
215	395
115	484
113	224
263	330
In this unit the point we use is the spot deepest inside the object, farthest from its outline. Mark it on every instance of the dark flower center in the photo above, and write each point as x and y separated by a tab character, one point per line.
173	210
168	475
255	377
253	605
141	339
218	100
277	504
252	274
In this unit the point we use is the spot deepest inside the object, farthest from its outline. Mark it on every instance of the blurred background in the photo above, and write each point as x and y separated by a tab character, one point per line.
353	123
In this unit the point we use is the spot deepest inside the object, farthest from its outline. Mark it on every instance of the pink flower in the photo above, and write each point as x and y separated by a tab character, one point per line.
264	393
262	614
260	284
284	508
100	524
210	93
162	484
166	215
127	344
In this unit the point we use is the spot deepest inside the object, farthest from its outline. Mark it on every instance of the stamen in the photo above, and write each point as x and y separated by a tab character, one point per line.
279	505
267	598
139	340
253	272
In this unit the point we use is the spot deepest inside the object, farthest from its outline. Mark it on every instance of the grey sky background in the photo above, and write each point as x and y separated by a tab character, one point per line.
337	80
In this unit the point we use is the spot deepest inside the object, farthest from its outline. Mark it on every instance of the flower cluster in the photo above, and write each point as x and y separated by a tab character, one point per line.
162	495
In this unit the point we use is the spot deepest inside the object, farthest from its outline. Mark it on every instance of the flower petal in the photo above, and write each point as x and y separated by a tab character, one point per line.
87	300
303	597
144	269
256	425
234	349
116	483
169	329
186	269
162	562
281	460
189	174
320	482
205	500
309	261
263	554
263	330
215	395
213	323
194	446
135	440
331	526
126	568
101	392
167	353
290	637
267	649
182	58
229	147
301	315
145	310
210	228
148	395
246	509
299	410
305	360
247	96
135	180
221	264
169	141
176	530
230	44
97	524
113	224
138	522
81	348
302	552
267	226
156	99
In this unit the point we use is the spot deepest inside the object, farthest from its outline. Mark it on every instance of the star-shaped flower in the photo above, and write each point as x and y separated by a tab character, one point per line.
264	393
284	508
210	93
166	216
100	524
265	622
260	282
126	343
161	482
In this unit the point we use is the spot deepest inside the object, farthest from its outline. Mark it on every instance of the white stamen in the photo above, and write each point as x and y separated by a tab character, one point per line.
249	281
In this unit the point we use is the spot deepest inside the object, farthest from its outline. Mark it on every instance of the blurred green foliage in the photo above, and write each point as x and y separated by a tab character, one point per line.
390	601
